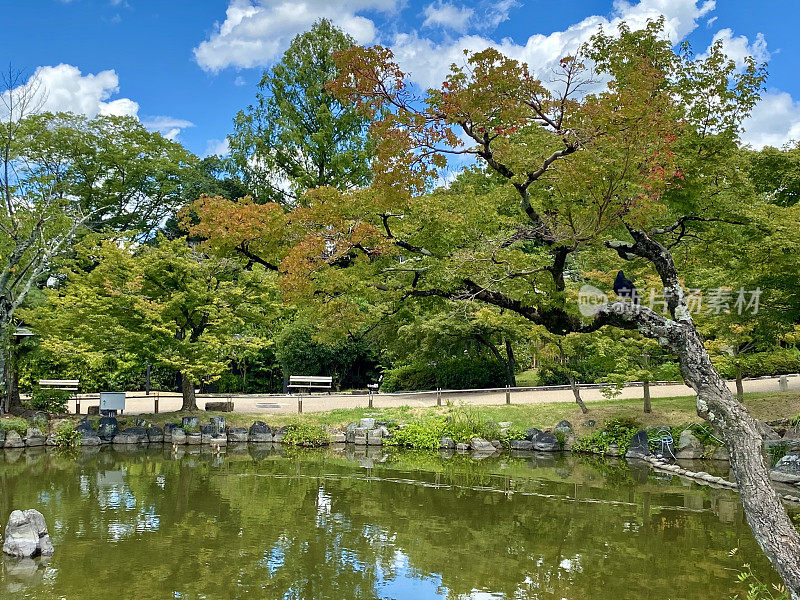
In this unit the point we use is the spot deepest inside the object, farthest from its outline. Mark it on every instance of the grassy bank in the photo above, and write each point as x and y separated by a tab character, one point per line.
666	411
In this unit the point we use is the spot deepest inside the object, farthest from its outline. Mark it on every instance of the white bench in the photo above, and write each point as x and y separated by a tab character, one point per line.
68	385
309	382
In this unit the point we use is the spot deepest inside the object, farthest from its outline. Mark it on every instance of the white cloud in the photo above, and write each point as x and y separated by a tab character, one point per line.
427	62
65	88
255	32
169	127
738	48
447	16
775	121
217	147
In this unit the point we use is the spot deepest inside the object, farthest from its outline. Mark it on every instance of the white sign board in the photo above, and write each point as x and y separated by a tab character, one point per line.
112	401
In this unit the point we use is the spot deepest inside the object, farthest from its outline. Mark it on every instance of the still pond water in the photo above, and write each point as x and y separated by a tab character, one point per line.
311	525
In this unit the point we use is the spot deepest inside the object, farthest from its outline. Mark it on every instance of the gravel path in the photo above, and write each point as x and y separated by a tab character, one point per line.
138	403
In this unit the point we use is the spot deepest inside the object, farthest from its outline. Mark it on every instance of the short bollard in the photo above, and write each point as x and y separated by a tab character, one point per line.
438	396
155	403
299	405
783	383
370	399
508	394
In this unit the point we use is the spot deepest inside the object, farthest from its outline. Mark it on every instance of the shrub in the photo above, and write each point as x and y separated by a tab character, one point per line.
617	432
422	435
66	436
759	364
459	373
466	372
52	401
409	377
14	424
302	434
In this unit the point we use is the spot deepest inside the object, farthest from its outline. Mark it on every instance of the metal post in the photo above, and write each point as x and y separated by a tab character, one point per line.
508	394
77	404
370	398
438	396
300	404
155	401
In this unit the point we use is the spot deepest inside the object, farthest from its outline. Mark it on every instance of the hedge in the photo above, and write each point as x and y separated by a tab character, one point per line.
451	374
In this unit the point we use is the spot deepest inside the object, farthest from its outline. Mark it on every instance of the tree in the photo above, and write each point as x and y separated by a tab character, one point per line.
169	304
38	221
638	166
298	135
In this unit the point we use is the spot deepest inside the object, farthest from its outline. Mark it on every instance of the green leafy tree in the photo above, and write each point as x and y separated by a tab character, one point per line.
298	135
638	167
169	304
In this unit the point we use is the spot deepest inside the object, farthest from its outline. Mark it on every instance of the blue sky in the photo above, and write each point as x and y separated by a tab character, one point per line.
184	67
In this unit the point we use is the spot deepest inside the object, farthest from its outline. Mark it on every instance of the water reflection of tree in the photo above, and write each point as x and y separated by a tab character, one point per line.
316	526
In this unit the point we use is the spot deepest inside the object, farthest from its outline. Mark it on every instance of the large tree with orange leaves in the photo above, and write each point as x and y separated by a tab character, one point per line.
625	152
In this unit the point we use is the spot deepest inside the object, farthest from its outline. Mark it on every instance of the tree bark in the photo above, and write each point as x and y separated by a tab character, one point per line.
511	364
646	388
576	391
764	511
739	386
187	390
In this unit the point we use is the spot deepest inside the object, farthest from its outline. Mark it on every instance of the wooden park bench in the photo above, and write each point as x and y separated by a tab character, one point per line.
69	385
309	382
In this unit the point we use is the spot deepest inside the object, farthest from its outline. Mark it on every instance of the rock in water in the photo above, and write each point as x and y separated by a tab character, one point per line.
26	535
787	469
640	446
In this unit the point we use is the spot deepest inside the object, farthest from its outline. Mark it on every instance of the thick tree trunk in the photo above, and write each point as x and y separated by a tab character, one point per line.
646	388
187	390
576	391
764	511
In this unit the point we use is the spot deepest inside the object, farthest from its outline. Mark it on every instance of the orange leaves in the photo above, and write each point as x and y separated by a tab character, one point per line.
227	224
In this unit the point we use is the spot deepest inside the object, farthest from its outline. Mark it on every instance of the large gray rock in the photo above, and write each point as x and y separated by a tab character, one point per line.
689	447
26	535
787	469
2	437
374	437
34	437
237	434
532	433
155	435
481	445
260	433
14	440
132	435
219	424
521	445
338	438
447	443
107	427
368	423
639	447
546	442
767	432
206	431
564	427
194	439
178	436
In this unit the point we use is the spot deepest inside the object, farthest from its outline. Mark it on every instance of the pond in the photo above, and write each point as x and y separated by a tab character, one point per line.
273	523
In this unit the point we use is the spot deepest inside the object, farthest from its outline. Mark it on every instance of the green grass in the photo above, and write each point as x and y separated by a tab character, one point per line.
674	411
528	378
